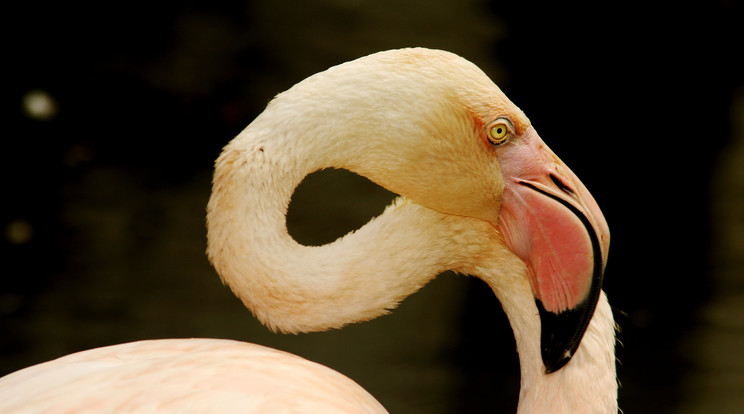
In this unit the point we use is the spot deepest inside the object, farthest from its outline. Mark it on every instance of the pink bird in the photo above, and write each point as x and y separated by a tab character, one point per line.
480	194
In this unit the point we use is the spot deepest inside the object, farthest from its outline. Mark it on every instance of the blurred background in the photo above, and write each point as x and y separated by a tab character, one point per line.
114	113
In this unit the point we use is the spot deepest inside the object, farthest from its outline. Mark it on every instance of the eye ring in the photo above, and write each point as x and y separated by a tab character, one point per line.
498	132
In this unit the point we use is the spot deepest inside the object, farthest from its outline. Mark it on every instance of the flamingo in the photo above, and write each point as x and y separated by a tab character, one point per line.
480	194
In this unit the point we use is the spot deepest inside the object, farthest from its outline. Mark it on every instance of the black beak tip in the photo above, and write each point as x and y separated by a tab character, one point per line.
555	362
562	333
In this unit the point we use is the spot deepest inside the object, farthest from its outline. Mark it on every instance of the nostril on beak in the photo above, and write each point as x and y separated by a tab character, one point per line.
563	187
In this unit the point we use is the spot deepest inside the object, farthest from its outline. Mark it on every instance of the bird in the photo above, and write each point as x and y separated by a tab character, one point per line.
479	193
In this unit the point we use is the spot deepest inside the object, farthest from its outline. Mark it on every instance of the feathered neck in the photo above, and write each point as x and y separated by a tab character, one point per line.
291	287
412	141
405	140
588	383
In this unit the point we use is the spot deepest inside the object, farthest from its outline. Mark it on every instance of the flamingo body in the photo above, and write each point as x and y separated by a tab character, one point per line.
183	376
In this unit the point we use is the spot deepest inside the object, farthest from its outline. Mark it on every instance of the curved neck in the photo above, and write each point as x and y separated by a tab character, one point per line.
291	287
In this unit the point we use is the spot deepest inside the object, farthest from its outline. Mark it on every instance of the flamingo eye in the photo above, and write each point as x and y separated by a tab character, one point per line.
498	132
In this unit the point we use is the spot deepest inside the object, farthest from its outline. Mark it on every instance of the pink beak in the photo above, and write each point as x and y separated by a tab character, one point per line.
551	222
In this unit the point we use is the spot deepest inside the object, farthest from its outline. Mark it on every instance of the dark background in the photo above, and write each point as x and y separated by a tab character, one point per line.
105	189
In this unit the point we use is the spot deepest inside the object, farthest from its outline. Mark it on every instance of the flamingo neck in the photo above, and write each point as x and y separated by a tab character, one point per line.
292	287
587	384
378	130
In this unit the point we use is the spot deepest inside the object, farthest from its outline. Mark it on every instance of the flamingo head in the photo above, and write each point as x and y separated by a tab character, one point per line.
548	219
479	156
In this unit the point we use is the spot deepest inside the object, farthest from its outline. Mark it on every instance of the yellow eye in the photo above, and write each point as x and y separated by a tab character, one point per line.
498	133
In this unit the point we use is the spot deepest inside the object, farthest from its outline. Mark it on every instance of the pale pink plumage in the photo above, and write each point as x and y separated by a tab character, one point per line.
183	376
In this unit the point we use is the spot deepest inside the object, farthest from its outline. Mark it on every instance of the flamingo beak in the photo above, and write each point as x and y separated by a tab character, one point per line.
551	222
